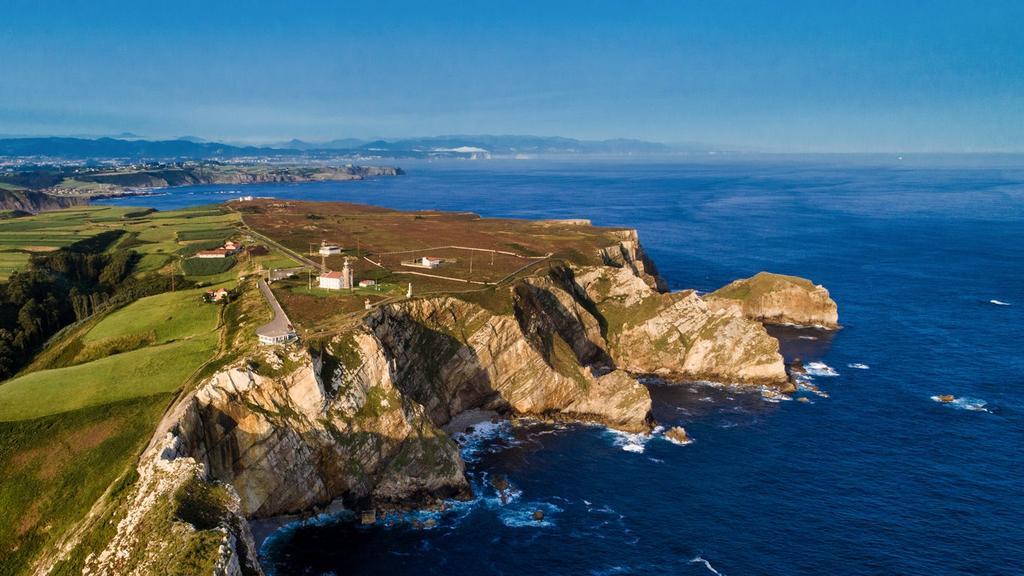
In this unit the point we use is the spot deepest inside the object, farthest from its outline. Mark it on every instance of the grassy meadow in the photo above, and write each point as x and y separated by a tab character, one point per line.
74	421
159	237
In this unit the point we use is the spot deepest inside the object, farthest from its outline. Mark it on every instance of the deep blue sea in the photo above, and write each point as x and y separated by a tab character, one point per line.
877	478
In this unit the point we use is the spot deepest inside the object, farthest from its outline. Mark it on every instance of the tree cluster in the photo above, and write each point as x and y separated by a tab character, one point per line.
60	288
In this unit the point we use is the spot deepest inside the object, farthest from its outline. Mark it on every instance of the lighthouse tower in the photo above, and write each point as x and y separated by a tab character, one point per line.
346	276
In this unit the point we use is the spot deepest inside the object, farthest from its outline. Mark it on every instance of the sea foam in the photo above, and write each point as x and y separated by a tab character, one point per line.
965	403
629	441
820	369
699	560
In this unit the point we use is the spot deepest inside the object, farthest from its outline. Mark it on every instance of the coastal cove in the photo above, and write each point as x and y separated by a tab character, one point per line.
875	478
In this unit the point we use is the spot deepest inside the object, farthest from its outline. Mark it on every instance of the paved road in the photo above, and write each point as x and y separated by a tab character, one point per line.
291	253
280	326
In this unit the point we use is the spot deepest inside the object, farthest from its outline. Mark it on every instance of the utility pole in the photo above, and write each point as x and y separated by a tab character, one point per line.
470	263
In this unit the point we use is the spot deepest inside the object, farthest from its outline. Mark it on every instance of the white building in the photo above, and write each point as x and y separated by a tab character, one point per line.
215	253
367	283
329	249
338	280
431	261
330	280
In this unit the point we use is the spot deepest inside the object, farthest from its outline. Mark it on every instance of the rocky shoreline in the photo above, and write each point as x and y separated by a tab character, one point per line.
364	421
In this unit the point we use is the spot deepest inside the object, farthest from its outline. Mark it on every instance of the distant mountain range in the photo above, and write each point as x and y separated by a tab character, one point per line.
457	146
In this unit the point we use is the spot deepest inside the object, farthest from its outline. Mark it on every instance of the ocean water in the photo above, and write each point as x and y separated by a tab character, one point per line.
873	476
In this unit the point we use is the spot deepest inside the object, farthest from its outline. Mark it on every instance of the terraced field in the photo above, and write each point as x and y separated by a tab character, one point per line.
157	236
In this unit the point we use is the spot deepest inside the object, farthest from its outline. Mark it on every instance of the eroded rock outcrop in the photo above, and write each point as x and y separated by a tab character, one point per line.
677	334
535	361
779	299
174	516
324	428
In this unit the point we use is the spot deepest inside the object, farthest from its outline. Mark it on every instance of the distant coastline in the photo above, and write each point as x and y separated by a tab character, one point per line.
77	185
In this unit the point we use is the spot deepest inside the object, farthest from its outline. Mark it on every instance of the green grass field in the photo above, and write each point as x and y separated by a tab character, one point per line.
178	331
143	372
53	469
171	315
70	433
207	266
155	236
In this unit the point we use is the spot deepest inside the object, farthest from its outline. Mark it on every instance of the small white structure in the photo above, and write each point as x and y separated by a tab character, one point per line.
277	338
431	261
329	249
408	293
367	283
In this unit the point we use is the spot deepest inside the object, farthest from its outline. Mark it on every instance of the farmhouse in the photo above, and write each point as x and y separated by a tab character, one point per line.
215	253
216	295
367	283
431	261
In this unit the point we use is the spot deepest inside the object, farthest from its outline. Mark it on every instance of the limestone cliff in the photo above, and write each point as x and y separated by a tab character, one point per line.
33	202
175	520
355	419
317	428
677	335
775	298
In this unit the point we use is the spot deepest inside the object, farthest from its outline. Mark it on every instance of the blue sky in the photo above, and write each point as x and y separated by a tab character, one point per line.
776	76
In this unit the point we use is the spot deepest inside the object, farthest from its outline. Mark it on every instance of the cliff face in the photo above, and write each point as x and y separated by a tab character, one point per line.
678	335
34	202
174	517
539	360
323	429
775	298
357	420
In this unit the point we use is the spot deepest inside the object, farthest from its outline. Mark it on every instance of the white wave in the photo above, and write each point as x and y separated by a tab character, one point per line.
965	403
769	394
859	366
482	439
677	442
522	516
629	441
699	560
820	369
998	302
807	337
